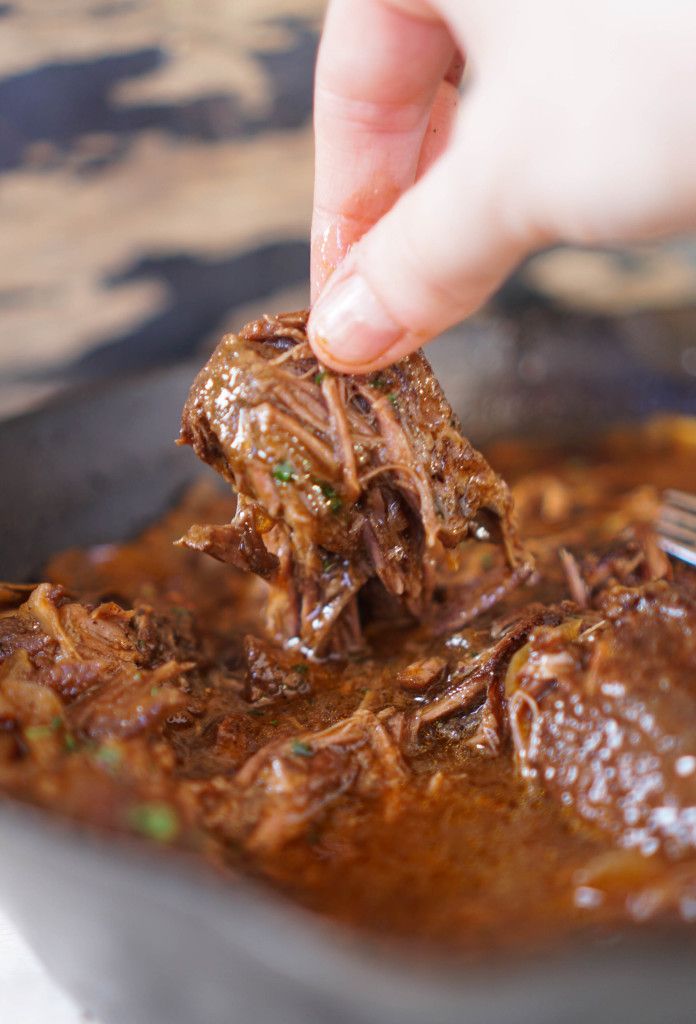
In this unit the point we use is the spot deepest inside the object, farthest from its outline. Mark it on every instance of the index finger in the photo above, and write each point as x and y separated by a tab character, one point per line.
379	68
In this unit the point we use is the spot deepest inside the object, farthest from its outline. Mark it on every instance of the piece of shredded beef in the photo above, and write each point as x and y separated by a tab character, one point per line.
289	785
630	559
87	668
342	479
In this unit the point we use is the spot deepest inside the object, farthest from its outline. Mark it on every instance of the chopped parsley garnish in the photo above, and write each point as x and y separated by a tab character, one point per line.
319	377
378	382
38	732
487	560
154	691
256	712
70	743
330	494
301	668
301	749
393	400
155	820
109	757
284	472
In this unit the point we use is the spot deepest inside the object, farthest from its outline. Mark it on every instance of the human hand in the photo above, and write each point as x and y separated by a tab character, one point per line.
578	125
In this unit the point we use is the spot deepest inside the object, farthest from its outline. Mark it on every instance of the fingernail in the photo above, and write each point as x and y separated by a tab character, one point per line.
349	322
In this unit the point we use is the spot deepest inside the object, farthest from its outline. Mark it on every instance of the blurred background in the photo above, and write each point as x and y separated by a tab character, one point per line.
155	188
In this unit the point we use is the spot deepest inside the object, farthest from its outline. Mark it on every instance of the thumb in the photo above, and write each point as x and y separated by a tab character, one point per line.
434	258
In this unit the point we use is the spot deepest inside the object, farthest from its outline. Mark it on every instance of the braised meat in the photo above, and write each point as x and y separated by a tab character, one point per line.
288	786
341	480
603	715
82	671
506	777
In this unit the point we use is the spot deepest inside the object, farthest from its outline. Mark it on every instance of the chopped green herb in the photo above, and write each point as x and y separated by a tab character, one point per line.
137	676
38	732
330	494
56	722
284	472
487	560
301	668
70	743
154	691
318	377
393	400
154	820
274	721
301	749
110	757
256	712
378	382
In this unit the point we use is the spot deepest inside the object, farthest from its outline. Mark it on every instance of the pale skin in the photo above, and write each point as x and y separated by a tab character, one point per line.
578	125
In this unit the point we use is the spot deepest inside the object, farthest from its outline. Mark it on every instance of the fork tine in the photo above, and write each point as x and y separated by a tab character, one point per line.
677	550
674	519
680	499
676	526
677	533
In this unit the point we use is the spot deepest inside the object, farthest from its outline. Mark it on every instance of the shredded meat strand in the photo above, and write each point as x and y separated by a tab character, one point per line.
362	477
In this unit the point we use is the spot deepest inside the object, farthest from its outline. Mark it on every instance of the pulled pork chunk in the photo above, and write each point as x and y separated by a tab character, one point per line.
342	479
603	715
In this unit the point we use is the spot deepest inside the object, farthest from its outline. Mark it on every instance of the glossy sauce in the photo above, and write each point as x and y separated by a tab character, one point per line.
469	855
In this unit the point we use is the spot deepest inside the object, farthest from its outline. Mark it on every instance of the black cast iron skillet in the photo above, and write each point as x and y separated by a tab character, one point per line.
143	937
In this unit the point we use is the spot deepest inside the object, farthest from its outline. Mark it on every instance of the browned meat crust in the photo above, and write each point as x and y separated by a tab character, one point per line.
356	477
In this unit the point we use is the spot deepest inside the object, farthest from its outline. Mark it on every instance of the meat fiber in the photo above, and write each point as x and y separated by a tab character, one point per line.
289	785
83	667
343	479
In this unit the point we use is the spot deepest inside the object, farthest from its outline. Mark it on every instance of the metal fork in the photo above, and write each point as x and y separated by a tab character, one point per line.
676	526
